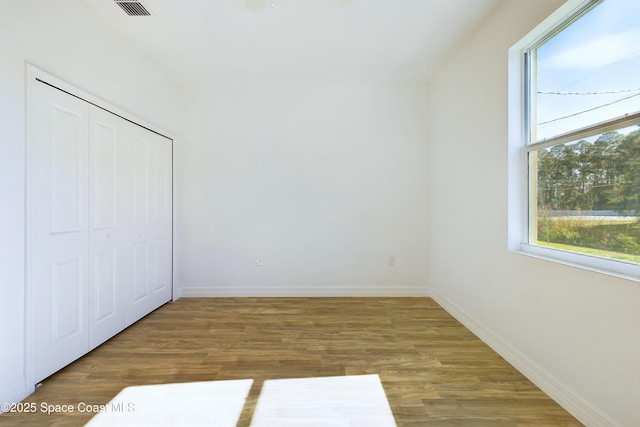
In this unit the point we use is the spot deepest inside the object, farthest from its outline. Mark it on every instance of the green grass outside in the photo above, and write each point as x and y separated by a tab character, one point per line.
602	237
594	252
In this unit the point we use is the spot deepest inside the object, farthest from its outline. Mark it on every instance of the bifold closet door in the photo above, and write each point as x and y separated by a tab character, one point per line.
130	223
58	232
151	239
99	197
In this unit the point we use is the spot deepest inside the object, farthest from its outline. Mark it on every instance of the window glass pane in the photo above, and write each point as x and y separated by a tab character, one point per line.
587	195
587	73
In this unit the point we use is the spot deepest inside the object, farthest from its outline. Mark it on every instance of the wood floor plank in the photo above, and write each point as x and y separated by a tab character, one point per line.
434	371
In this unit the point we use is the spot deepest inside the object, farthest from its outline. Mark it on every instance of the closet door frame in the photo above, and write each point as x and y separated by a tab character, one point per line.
37	76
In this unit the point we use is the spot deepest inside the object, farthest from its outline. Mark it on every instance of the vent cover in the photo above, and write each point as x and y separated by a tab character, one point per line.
133	8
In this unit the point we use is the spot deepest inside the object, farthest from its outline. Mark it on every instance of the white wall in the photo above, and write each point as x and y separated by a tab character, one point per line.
323	182
68	40
573	331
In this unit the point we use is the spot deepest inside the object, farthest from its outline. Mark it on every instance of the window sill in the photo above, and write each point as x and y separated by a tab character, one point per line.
620	269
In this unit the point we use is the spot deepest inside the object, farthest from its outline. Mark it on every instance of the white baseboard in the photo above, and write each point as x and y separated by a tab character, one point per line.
583	410
191	292
13	392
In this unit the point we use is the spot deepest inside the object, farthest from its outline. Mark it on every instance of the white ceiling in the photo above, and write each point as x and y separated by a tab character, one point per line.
370	41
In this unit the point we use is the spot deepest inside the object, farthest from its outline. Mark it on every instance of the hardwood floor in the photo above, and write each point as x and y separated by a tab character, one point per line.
433	370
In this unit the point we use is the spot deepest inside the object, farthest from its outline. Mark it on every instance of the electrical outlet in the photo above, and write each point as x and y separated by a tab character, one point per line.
259	261
391	261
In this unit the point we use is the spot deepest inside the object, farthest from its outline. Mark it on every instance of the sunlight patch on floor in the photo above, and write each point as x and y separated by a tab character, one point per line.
211	403
357	400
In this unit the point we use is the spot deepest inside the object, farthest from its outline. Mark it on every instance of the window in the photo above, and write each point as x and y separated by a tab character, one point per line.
579	117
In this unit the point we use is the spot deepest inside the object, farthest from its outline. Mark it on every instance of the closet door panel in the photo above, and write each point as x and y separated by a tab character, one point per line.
67	147
152	223
58	231
105	304
139	301
160	224
159	182
140	171
141	274
160	268
66	290
108	252
103	171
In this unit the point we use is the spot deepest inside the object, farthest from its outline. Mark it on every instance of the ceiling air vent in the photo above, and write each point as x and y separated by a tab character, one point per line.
133	8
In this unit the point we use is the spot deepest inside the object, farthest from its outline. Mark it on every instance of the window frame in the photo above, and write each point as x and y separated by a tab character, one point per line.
520	182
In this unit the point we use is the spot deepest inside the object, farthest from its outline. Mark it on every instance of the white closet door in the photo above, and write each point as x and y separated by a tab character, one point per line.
110	197
58	231
99	197
151	242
